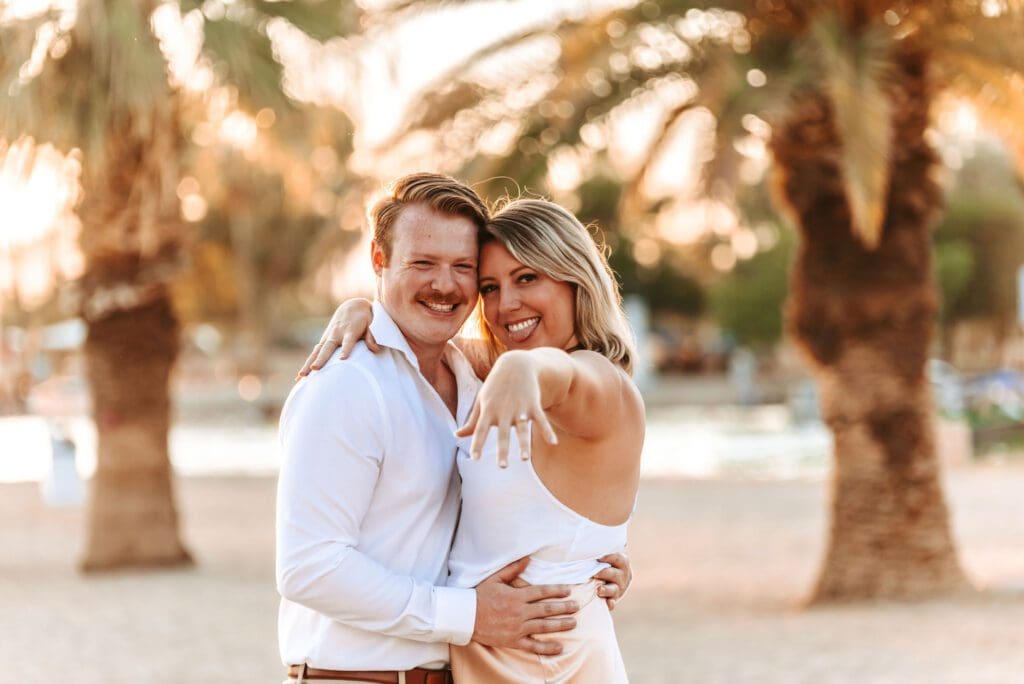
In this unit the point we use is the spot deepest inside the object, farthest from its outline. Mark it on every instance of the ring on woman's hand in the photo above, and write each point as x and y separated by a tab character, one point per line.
523	418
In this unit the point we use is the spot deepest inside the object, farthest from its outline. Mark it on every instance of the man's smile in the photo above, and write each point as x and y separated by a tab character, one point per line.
439	307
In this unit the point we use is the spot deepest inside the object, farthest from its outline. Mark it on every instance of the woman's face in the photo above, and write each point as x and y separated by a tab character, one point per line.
524	308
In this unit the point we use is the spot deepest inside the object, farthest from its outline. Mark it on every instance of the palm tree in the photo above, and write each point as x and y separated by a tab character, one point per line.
848	89
96	79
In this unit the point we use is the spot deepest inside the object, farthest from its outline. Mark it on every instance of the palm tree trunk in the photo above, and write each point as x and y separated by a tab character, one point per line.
865	319
129	353
131	239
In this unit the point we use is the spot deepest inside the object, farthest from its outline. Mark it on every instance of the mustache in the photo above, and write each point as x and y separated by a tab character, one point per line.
454	300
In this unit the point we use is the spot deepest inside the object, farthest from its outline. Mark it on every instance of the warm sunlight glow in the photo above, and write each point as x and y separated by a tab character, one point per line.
686	222
993	8
36	186
181	38
351	275
38	236
250	388
957	131
679	224
238	130
567	167
756	78
193	208
723	258
744	243
647	252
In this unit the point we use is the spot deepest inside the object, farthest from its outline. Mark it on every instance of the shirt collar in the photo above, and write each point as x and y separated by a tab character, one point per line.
388	334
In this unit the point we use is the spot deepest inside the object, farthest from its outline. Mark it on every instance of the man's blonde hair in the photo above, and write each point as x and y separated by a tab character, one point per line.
546	237
437	191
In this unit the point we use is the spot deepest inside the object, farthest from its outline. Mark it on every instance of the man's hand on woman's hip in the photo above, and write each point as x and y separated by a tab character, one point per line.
511	616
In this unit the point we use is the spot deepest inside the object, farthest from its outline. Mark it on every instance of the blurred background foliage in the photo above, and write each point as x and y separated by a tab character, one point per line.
980	244
550	102
752	167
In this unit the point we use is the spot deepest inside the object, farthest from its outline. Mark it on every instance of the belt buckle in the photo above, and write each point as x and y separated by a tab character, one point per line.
438	677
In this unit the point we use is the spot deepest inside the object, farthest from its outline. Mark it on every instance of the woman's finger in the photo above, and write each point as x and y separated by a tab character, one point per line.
523	436
480	432
470	425
307	366
504	430
326	351
545	427
371	342
347	342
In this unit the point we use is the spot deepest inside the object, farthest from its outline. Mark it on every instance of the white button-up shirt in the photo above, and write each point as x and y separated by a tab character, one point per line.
368	499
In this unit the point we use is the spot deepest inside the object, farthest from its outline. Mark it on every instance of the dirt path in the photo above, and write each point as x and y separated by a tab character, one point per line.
720	567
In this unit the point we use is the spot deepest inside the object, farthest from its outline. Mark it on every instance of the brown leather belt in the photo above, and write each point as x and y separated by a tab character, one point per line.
415	676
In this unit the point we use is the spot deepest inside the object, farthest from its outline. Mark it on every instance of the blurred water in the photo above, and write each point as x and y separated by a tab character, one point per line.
692	442
758	441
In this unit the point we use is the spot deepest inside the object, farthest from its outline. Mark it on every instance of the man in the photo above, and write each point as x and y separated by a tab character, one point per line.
368	496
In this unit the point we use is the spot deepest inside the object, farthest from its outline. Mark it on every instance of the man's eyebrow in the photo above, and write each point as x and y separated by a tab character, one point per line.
438	257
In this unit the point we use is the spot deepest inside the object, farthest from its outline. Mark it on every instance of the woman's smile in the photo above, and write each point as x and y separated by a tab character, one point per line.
523	307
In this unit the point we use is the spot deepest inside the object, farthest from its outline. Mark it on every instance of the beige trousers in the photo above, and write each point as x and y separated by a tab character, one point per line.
590	653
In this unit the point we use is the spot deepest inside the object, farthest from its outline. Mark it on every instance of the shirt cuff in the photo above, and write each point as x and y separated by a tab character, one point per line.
456	614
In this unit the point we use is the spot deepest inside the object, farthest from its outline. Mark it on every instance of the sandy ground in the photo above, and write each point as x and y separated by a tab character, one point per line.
721	566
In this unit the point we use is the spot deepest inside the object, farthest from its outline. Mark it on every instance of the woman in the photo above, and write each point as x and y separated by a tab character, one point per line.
557	354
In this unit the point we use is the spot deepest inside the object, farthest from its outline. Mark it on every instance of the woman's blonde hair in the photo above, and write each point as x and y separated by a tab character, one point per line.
546	237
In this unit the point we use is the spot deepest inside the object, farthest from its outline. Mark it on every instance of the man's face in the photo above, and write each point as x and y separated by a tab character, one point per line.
428	286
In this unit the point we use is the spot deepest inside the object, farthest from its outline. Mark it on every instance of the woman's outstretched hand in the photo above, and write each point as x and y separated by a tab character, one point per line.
509	399
349	324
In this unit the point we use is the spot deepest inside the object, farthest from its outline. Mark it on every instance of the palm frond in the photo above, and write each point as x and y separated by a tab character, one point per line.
242	55
855	69
723	89
996	93
588	88
717	77
981	59
452	91
318	19
126	55
18	40
111	79
995	41
584	43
